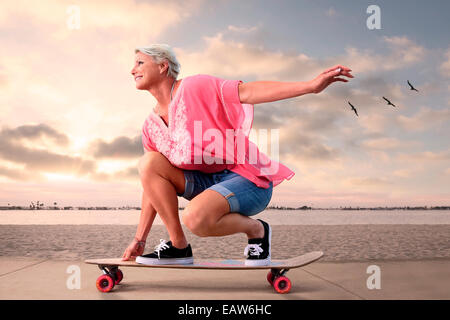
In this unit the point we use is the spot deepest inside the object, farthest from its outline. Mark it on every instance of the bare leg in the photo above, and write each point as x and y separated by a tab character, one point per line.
208	214
161	182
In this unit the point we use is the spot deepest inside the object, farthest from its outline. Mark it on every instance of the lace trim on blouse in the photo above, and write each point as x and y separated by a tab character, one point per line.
175	145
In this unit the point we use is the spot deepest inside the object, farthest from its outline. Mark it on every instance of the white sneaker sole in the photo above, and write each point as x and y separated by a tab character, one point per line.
257	263
152	261
262	262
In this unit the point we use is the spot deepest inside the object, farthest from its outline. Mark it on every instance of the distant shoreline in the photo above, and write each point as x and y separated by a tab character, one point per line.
181	208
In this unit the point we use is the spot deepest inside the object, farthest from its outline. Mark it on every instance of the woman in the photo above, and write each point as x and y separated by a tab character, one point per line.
197	147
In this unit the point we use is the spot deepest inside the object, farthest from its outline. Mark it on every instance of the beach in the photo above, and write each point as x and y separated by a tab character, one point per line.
343	235
356	239
341	243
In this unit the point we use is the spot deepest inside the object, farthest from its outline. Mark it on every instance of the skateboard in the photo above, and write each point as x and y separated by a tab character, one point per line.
112	275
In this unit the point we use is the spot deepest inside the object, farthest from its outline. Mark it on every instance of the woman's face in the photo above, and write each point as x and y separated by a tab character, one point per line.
145	71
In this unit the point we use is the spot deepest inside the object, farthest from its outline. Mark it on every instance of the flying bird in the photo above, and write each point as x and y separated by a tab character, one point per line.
411	86
389	103
353	108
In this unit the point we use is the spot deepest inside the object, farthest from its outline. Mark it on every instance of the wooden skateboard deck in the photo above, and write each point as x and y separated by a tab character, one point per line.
112	275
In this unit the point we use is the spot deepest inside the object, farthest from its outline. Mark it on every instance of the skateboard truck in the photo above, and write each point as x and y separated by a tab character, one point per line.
107	269
112	275
279	272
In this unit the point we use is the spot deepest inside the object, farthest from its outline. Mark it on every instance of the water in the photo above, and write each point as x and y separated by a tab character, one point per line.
273	217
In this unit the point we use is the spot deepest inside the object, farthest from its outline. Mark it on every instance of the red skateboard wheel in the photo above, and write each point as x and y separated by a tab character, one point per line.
270	277
105	283
118	275
282	284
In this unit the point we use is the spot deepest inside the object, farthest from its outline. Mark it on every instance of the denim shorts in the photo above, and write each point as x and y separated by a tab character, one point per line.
242	195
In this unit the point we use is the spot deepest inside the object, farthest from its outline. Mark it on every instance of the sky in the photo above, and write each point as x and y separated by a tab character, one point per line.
71	117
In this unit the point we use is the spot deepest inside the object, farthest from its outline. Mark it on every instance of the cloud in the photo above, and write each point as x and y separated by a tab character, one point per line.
406	50
377	86
26	158
18	174
403	173
129	174
331	12
35	133
445	66
299	144
366	182
242	29
229	58
120	147
13	149
3	79
425	157
383	143
50	70
425	118
53	15
43	160
402	52
304	127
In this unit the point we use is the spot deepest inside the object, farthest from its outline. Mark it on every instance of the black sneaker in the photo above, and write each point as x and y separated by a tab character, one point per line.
258	250
166	253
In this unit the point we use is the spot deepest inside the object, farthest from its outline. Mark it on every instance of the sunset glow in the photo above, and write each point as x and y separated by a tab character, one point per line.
71	116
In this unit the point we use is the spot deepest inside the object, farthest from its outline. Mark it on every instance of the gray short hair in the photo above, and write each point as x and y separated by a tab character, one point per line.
161	52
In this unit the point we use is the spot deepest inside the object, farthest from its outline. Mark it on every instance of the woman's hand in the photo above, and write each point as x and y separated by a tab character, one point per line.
329	76
136	248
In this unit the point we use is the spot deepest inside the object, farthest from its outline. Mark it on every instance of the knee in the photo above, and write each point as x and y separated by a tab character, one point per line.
148	163
194	220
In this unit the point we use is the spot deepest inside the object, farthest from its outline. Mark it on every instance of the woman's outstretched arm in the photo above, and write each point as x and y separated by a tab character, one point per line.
268	91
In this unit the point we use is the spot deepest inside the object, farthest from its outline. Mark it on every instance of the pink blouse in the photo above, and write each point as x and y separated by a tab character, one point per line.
208	130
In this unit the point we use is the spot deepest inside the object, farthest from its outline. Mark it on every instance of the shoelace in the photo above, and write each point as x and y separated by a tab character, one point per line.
253	250
161	246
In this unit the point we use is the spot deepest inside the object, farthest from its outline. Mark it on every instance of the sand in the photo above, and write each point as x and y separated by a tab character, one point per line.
343	235
341	243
